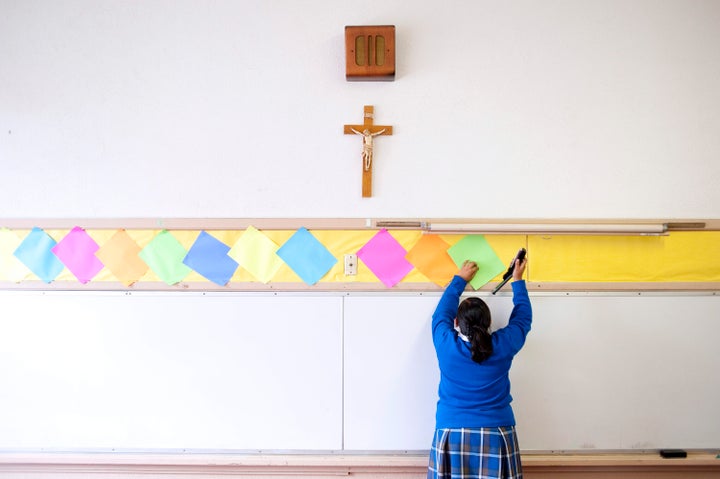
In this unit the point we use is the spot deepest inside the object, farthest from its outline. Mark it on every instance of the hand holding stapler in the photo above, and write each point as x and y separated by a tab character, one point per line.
508	274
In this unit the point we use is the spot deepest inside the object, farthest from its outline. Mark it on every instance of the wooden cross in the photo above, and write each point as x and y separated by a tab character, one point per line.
368	131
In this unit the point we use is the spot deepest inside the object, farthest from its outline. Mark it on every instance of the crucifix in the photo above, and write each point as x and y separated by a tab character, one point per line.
368	131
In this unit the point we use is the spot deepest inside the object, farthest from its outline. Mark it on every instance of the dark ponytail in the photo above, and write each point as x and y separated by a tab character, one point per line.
474	322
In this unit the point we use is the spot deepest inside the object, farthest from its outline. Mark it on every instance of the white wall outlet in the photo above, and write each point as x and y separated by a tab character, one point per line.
351	264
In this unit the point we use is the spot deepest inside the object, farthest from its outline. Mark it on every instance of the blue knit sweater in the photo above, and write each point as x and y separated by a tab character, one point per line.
476	395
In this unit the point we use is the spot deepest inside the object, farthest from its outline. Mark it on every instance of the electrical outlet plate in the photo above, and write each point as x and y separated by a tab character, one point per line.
351	264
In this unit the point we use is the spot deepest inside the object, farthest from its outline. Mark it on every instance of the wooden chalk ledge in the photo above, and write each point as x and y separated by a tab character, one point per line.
401	466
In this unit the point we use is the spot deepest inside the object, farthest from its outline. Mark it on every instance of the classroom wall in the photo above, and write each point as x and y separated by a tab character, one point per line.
520	109
234	109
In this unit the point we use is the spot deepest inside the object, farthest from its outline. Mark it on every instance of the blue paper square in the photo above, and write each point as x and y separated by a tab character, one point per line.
306	256
36	253
209	257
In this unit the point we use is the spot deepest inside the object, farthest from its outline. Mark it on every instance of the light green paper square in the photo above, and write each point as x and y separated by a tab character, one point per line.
256	253
164	255
476	248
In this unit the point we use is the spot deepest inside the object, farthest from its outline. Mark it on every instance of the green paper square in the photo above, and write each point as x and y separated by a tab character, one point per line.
164	255
476	248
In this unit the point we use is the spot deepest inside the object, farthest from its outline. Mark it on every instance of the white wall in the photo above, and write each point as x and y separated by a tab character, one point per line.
517	109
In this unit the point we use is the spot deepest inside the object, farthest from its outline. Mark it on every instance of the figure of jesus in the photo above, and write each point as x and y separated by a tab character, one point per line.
367	151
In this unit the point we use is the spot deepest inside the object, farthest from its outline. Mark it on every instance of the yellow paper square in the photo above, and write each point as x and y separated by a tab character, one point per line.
11	268
256	253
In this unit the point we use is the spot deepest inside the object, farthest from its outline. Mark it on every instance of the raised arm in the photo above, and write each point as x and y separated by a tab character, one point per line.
521	316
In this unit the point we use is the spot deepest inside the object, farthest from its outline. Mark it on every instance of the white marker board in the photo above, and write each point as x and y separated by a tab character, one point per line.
598	371
170	371
343	371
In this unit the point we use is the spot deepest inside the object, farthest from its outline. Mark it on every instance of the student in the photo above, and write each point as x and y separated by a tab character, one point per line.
475	425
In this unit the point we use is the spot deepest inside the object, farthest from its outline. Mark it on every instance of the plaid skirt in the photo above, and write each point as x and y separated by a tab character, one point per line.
480	453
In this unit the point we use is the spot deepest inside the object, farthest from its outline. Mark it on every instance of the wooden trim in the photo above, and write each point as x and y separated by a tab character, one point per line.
639	287
318	223
697	464
376	287
210	224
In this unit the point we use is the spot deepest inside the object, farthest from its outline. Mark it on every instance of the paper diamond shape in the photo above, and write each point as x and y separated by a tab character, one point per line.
430	257
11	268
77	252
386	258
257	254
209	257
164	255
476	248
36	253
306	256
120	256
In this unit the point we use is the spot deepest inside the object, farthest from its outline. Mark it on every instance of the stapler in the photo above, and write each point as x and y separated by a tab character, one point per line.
508	274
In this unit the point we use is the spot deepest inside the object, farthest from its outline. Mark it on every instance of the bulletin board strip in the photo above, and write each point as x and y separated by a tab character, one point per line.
677	261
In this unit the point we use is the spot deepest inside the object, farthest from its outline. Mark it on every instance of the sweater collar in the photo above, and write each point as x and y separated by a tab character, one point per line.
461	335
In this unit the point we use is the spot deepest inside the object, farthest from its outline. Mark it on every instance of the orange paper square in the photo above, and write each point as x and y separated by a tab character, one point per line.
430	257
120	255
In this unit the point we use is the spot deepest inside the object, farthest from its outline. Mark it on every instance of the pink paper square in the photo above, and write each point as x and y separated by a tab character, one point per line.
77	252
386	258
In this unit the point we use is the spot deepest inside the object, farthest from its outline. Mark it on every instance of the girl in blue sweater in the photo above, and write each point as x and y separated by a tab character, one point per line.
475	425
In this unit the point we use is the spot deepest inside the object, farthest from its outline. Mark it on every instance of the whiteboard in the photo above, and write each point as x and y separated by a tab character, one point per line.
598	372
620	372
391	374
170	371
352	372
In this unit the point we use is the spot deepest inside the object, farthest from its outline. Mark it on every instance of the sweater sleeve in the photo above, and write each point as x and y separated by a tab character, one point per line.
446	310
513	335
